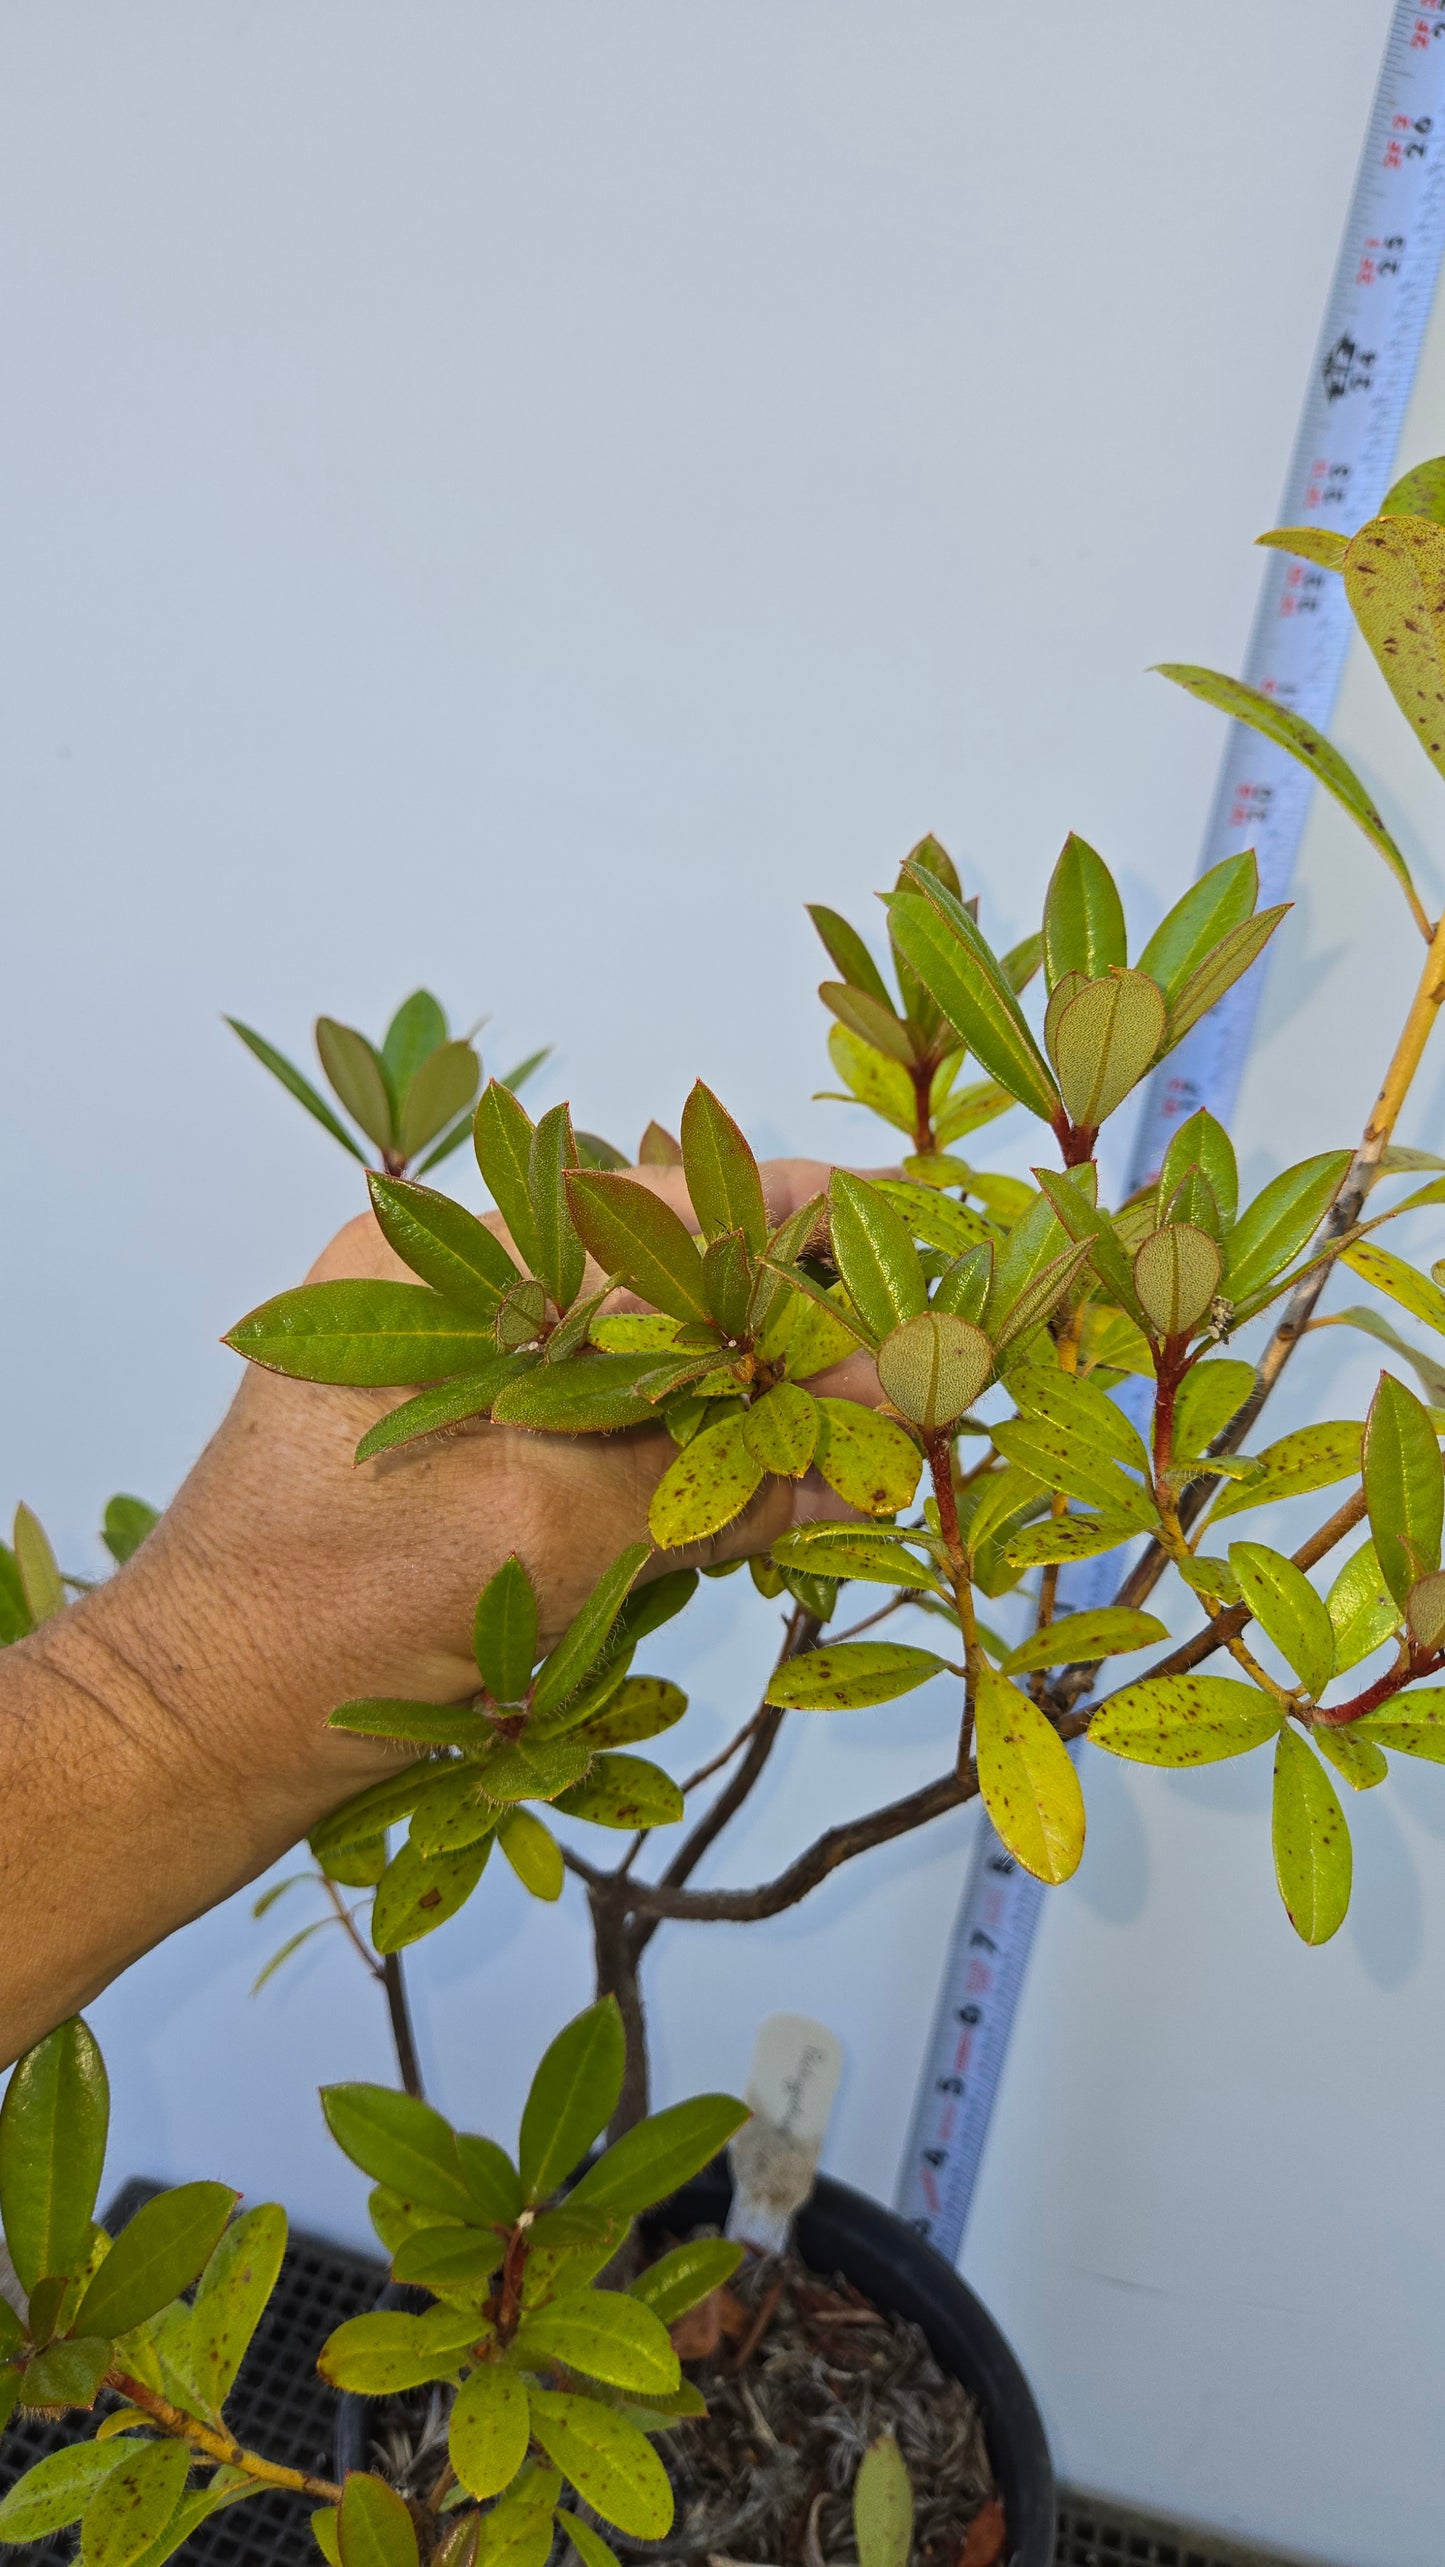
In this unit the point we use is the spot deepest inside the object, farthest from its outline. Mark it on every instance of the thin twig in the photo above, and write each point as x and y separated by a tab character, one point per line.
345	1919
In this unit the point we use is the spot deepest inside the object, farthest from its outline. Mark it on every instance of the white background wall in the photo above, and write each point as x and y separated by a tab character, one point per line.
522	497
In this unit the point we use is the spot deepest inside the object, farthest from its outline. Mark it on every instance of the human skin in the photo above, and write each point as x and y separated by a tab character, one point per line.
165	1739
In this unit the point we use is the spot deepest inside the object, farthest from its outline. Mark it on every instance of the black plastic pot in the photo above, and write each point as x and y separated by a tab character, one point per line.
844	2232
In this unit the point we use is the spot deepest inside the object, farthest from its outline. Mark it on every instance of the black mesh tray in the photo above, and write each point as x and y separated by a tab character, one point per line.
278	2406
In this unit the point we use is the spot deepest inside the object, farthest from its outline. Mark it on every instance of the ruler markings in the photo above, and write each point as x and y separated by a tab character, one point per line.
1360	383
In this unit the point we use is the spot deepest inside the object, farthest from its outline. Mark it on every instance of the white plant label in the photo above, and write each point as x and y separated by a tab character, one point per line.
791	2085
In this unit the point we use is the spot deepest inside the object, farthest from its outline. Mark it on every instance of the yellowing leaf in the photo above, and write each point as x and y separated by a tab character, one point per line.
1395	582
1185	1720
1312	1858
1313	1457
1413	1724
1389	1273
850	1675
781	1430
1099	1633
1285	1605
534	1854
866	1458
1362	1761
1027	1780
710	1482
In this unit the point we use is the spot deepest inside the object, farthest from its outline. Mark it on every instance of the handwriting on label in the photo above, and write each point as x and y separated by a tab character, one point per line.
794	2077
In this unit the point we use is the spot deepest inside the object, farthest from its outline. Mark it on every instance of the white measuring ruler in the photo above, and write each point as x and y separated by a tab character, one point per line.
1343	461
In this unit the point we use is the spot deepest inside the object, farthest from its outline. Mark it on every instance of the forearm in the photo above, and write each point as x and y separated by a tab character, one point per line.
144	1774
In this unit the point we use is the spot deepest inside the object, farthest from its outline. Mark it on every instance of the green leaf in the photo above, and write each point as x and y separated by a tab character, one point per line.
1312	1457
1413	1724
1027	1780
1321	544
518	2532
1312	1861
1289	731
40	1579
504	1632
53	2125
533	1852
874	1254
57	2490
607	2335
585	1395
1222	899
442	1088
1404	1489
874	1020
443	1243
710	1482
610	2463
727	1282
126	1523
418	1894
640	1707
1068	1537
1362	1611
1394	579
364	1332
133	2504
854	1551
1177	1272
358	1821
417	1030
294	1083
230	2298
1083	916
689	2274
847	951
69	2373
1360	1760
1185	1720
1390	1274
1082	1219
1039	1298
631	1232
721	1172
562	1256
586	1636
883	2506
572	2096
873	1080
850	1675
323	2532
489	2431
1079	1637
1065	1460
1103	1041
781	1430
16	1618
969	1109
653	2159
390	2349
963	1288
157	2254
449	1404
937	936
1229	961
1208	1398
455	2264
502	1134
1082	1410
623	1791
1281	1221
354	1069
373	2526
866	1459
1199	1142
1285	1605
934	1367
